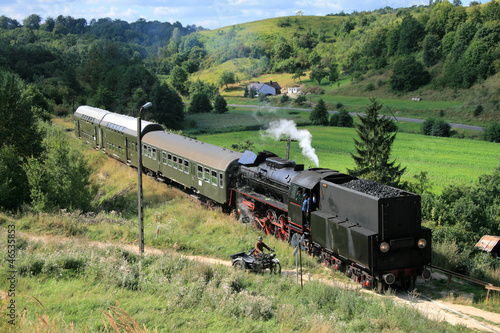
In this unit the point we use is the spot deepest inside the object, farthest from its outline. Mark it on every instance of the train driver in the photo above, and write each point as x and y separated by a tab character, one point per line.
306	209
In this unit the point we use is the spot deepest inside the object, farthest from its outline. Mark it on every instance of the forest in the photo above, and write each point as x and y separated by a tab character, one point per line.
118	65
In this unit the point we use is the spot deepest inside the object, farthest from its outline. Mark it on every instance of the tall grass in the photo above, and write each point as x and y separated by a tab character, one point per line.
111	289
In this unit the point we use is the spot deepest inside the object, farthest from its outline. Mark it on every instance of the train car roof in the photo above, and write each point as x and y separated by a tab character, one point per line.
310	177
193	150
90	114
128	124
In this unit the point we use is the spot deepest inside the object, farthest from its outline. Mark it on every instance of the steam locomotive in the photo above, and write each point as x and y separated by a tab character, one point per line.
370	231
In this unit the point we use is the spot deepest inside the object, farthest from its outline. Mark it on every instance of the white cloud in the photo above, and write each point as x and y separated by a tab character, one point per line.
164	11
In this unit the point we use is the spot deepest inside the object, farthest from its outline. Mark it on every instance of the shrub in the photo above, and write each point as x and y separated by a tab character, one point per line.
300	100
478	110
436	127
492	133
342	119
441	128
370	87
284	98
339	105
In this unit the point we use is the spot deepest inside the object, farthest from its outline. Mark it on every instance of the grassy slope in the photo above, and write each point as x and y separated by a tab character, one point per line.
456	104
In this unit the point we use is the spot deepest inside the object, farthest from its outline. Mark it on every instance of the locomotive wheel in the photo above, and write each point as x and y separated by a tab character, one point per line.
281	231
271	216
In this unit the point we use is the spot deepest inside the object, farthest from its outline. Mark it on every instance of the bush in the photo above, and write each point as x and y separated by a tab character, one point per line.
478	110
339	105
492	133
342	119
436	127
284	98
370	87
300	100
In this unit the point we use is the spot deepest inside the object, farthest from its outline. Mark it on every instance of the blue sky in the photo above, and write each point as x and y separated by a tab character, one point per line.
209	14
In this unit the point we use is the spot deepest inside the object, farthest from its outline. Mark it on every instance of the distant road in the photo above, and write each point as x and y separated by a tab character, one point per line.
354	114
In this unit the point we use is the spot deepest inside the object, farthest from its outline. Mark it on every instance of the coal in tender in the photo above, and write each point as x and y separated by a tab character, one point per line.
373	188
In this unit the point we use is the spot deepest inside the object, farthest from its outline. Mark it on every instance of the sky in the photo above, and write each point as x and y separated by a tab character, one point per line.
211	14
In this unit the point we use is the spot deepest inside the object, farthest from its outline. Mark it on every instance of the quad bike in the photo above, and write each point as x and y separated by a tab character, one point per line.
244	261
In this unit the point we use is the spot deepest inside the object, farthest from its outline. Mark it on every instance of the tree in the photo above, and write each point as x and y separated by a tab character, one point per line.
333	74
373	149
297	74
411	33
200	104
168	108
32	22
13	182
18	125
408	75
220	105
60	178
318	73
319	115
431	50
179	79
252	92
227	77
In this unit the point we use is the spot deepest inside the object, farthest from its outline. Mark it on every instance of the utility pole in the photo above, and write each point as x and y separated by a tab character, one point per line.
139	175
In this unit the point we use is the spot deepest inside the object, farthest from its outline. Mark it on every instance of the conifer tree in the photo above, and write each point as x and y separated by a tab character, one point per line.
373	149
319	115
220	105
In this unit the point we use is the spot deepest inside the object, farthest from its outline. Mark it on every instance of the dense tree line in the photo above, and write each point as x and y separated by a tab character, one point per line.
115	64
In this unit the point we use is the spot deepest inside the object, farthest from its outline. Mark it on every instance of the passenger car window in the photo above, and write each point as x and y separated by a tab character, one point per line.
200	172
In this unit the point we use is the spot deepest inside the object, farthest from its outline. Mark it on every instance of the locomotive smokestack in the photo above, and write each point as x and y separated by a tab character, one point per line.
288	128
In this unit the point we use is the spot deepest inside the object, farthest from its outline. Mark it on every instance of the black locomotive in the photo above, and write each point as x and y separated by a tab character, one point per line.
370	231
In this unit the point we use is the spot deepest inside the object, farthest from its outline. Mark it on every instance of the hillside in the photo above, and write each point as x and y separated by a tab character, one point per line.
367	50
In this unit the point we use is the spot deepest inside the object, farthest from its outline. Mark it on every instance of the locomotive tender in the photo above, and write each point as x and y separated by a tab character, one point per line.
370	231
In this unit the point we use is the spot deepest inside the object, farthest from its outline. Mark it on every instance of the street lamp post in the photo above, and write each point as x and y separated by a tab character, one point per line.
139	175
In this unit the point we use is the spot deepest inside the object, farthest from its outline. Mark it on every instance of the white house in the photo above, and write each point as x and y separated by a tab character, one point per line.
266	88
293	90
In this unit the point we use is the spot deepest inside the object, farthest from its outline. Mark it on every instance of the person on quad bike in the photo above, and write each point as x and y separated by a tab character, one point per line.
259	247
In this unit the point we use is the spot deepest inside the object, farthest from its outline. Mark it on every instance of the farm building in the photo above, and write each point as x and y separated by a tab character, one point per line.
266	88
489	244
293	90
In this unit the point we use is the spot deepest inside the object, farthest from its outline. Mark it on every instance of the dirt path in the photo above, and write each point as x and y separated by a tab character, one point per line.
454	314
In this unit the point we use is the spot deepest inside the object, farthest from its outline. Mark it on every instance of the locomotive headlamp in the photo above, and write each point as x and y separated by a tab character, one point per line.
384	247
422	243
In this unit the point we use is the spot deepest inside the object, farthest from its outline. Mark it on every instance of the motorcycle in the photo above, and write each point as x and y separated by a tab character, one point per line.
258	264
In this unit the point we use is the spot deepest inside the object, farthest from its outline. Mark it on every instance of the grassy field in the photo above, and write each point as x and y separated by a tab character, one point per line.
72	286
447	160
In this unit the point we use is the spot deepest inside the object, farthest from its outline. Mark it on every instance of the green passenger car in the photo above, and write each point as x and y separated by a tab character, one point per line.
87	120
206	169
119	136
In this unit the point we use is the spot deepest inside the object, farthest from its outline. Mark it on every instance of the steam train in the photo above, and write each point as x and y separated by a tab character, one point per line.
370	231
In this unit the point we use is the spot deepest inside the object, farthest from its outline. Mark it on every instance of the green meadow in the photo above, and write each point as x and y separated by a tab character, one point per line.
446	160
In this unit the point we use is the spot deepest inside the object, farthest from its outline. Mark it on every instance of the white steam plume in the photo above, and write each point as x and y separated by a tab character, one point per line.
288	128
